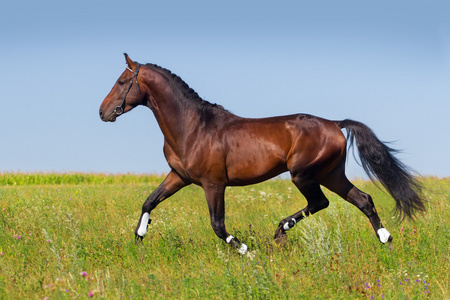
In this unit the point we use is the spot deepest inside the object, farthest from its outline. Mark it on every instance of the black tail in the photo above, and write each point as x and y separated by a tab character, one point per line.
379	162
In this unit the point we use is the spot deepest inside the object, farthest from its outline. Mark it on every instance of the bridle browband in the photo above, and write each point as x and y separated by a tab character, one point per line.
119	109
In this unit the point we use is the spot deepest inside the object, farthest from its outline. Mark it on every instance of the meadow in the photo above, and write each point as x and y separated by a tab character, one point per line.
70	236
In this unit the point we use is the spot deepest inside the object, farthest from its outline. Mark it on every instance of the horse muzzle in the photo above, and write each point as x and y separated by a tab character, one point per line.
111	117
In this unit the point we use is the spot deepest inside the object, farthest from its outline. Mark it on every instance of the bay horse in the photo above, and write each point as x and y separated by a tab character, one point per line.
206	145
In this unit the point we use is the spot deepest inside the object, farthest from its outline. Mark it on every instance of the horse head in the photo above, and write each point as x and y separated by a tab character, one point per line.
124	95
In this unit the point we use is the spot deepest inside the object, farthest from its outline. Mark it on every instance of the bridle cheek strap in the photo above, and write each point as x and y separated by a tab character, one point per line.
119	109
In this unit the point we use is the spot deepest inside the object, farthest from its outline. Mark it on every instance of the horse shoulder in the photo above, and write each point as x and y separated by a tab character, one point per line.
174	160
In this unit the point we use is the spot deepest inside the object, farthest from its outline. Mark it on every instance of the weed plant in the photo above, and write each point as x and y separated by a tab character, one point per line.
66	236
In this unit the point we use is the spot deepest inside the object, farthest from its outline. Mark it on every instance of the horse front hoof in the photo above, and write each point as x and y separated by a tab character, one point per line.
138	239
390	243
243	249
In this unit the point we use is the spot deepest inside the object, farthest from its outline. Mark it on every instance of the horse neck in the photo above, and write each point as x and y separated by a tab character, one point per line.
174	115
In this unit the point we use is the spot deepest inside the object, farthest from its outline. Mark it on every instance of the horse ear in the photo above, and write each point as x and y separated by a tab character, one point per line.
131	64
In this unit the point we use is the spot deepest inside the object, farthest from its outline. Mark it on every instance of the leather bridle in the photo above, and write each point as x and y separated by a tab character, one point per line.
119	109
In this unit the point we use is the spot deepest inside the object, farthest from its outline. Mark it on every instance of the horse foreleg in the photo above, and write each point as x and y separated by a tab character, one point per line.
215	197
171	184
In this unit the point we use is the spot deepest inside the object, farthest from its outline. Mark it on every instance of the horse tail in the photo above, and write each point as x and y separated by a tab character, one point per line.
380	164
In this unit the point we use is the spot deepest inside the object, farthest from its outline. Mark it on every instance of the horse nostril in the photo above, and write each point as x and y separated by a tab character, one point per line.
101	113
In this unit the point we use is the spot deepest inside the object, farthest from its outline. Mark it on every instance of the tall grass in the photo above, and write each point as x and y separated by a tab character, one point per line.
74	239
11	178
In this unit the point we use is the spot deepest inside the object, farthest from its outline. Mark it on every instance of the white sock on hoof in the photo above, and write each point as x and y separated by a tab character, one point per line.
286	225
229	238
142	231
243	249
384	235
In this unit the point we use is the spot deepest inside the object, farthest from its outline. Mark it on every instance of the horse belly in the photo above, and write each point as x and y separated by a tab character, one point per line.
254	164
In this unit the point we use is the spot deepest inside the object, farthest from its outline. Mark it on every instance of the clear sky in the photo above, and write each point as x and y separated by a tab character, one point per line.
384	63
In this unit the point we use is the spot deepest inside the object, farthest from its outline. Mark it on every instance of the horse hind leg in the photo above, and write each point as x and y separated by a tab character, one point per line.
316	202
365	203
337	182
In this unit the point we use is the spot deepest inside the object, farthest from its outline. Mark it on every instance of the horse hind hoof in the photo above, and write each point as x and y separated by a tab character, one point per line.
384	236
280	240
280	236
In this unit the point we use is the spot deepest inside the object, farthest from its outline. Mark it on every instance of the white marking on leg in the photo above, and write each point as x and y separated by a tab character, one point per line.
286	225
243	249
229	238
384	235
142	231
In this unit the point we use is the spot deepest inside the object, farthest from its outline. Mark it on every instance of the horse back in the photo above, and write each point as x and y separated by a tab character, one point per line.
259	149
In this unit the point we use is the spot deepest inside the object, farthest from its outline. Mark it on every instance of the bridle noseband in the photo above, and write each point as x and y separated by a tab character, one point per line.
119	109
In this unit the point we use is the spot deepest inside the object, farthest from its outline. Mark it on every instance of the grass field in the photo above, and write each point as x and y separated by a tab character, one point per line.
66	236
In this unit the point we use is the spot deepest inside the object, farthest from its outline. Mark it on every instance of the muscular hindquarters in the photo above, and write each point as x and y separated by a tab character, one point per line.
258	149
319	147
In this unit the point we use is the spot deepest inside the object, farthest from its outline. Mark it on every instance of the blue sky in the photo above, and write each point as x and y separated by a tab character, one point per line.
384	63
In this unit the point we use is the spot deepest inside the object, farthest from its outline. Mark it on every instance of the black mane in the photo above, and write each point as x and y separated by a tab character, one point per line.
188	93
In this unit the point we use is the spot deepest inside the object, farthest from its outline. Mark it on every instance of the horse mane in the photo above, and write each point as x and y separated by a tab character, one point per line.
188	93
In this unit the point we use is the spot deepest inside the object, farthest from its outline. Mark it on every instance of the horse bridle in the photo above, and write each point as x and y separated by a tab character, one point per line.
119	109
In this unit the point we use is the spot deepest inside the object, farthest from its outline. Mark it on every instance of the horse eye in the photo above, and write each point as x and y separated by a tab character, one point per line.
120	82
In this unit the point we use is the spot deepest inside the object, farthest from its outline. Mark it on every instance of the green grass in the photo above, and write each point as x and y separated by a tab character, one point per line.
66	236
72	178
